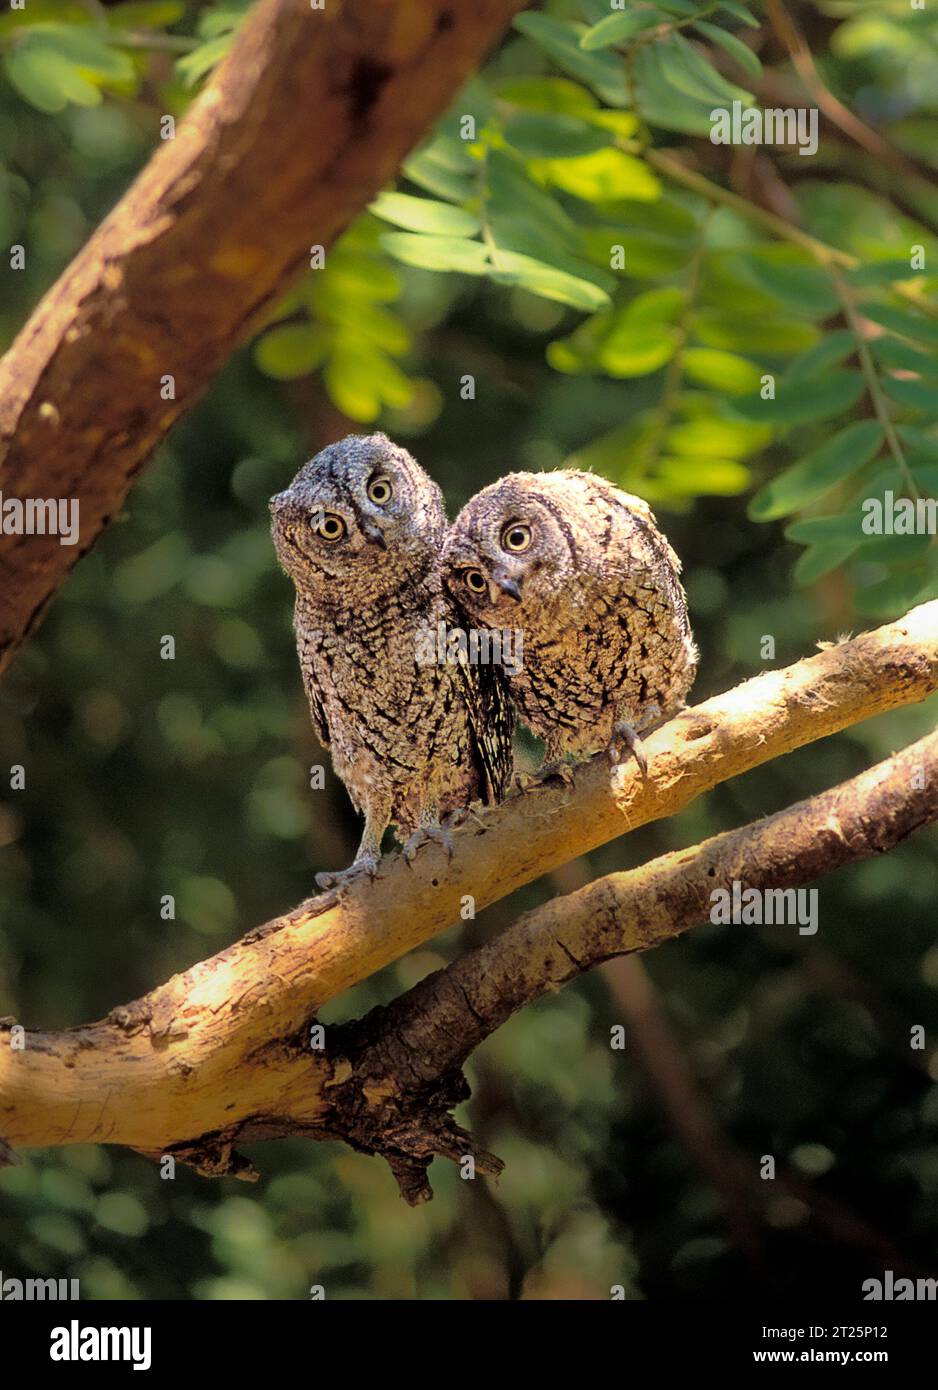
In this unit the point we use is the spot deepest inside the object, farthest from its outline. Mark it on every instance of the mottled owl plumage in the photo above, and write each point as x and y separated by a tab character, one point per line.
582	570
360	532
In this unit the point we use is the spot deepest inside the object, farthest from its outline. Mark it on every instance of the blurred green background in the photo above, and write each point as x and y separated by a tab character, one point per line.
636	1167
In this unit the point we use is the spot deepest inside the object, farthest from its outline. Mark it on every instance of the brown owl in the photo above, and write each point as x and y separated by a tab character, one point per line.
581	570
414	734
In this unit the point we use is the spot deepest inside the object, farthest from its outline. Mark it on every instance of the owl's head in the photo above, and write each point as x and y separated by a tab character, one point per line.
510	545
362	513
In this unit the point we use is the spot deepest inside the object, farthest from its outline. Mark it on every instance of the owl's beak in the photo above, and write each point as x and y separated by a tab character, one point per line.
507	583
374	534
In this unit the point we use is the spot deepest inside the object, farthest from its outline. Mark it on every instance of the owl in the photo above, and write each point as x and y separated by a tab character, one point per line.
414	734
583	574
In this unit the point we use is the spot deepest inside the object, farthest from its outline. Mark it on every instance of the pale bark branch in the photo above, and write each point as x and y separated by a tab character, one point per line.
221	1052
310	115
399	1054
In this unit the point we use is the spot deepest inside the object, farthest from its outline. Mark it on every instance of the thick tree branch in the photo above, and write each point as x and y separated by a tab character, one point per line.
222	1051
310	115
404	1057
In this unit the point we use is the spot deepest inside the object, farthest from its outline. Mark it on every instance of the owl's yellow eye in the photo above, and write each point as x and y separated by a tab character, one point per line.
380	491
330	527
516	537
475	580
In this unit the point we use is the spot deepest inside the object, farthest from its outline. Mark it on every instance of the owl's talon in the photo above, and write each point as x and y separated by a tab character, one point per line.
426	834
341	878
623	732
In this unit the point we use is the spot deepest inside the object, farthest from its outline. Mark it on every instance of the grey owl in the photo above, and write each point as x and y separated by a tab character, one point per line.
360	532
581	569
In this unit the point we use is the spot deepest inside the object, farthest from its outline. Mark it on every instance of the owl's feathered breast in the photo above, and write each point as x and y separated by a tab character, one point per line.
421	731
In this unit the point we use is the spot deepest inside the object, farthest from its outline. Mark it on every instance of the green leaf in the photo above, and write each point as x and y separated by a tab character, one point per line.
384	329
517	233
194	65
892	352
438	252
917	394
901	321
660	103
224	17
827	353
695	477
841	528
577	353
895	550
513	268
425	215
691	74
511	193
891	596
351	276
636	349
350	387
837	458
542	135
561	41
662	305
666	217
615	452
736	332
90	50
722	371
740	12
924	444
607	175
46	79
618	28
443	167
146	14
291	351
36	78
551	94
54	64
644	256
735	47
885	272
790	276
819	560
807	400
716	438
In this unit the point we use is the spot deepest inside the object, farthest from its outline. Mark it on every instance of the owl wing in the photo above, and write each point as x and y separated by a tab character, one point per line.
316	708
491	723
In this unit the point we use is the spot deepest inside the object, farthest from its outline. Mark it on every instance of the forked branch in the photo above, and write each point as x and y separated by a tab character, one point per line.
222	1051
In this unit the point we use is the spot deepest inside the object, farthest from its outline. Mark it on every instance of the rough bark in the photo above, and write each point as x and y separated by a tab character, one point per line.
405	1058
310	115
222	1050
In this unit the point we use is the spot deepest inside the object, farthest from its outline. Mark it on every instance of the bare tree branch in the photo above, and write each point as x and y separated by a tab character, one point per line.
222	1051
405	1058
309	116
